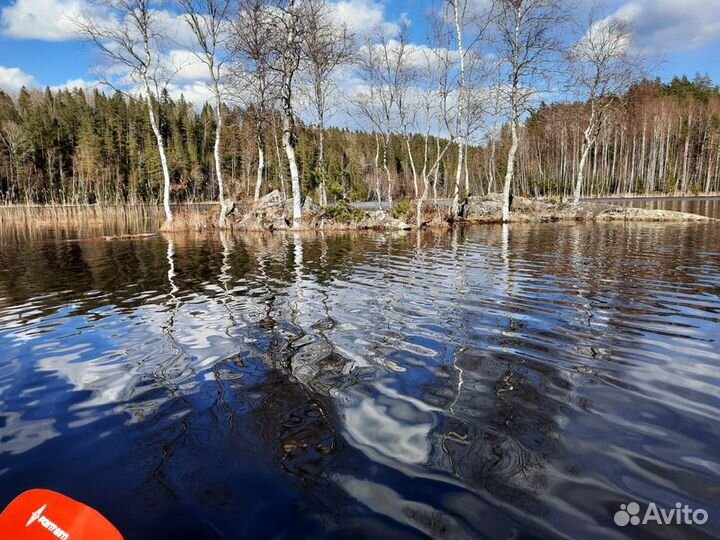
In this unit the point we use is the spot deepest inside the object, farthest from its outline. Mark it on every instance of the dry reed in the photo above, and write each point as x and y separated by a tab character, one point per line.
80	221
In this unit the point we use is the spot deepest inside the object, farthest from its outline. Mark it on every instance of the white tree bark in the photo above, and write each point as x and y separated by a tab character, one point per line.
283	193
461	109
458	177
387	171
377	170
423	197
290	65
436	174
586	148
515	112
510	174
412	165
491	172
161	151
218	161
321	161
260	168
295	179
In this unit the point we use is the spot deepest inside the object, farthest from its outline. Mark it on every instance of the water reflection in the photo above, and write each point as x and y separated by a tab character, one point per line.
490	382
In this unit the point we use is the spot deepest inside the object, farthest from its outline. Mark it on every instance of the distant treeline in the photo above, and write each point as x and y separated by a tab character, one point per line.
661	138
75	146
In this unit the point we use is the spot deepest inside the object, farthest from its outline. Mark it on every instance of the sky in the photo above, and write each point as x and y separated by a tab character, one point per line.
38	46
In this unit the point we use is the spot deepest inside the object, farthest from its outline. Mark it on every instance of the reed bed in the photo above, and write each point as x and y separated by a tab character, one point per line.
79	221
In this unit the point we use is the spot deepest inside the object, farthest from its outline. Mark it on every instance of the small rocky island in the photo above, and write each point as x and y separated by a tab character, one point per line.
273	213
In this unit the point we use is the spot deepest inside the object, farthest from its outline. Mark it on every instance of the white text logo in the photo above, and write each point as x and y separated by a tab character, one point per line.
51	527
630	514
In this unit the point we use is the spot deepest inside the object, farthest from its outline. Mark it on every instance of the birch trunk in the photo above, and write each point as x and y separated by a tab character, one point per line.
436	174
467	169
289	145
321	161
423	197
586	147
510	170
412	166
377	170
260	167
458	177
491	179
161	151
279	165
461	105
218	162
289	140
387	170
509	174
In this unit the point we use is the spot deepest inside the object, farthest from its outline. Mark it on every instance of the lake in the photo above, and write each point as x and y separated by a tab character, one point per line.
488	382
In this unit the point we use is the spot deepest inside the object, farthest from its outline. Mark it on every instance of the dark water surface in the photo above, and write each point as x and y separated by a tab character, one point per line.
493	382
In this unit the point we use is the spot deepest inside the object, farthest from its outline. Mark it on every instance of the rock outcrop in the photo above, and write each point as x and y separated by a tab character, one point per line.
380	219
488	209
266	214
273	213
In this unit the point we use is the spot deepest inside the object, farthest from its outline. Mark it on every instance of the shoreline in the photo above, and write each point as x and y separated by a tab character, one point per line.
654	198
271	213
369	205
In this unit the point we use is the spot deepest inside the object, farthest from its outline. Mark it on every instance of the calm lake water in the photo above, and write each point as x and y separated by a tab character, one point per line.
493	382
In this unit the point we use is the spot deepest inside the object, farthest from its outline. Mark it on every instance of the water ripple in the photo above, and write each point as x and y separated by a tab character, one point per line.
492	382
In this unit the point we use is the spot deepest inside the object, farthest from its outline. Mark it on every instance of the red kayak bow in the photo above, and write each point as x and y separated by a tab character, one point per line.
40	514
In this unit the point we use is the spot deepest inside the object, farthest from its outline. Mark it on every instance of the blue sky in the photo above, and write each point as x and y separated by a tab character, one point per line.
37	46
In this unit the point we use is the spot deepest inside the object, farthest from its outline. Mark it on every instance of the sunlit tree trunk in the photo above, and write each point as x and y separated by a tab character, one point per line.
260	173
161	151
290	66
460	108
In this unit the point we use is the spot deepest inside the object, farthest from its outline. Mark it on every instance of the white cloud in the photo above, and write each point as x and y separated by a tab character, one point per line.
611	35
194	92
187	65
13	79
175	28
49	20
663	26
53	20
76	83
360	15
363	16
423	57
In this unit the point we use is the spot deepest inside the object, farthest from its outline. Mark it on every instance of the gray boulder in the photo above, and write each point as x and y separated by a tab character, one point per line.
308	206
272	199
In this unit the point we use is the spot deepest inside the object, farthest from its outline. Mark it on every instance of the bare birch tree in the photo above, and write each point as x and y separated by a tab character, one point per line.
403	75
602	67
255	79
327	46
525	39
376	102
385	68
132	38
435	113
458	12
208	20
288	19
